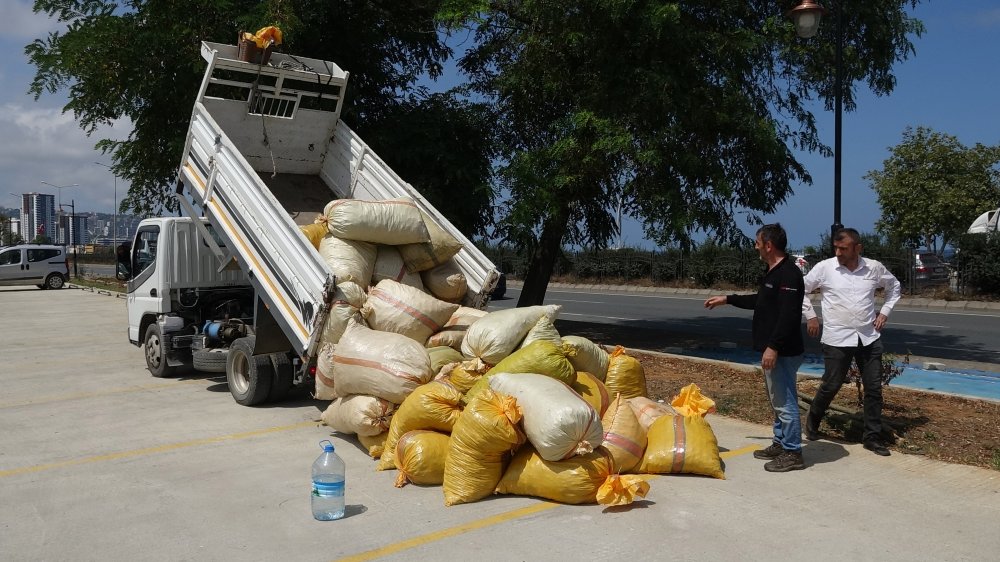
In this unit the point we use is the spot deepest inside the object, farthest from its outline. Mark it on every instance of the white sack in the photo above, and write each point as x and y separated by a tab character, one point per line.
426	255
348	260
454	329
497	334
389	265
446	282
557	421
325	388
401	309
380	364
392	221
347	303
358	414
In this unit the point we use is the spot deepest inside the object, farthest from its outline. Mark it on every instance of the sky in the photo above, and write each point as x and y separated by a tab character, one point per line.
951	85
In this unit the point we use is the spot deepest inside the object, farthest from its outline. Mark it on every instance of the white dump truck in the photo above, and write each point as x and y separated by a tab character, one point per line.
233	285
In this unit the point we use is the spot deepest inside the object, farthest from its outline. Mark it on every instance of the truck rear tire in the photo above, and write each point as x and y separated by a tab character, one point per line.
156	355
283	377
210	360
250	378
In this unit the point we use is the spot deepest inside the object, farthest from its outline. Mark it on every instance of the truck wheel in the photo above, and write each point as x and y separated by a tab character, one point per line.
54	281
210	360
283	376
250	378
156	355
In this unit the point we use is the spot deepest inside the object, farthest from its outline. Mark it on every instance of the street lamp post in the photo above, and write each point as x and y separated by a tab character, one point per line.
807	16
114	227
59	202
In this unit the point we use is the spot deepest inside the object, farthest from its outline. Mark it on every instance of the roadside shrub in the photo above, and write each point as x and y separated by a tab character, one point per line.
978	262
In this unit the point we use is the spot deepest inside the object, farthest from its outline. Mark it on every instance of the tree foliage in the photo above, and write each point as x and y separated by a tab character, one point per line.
685	111
933	187
139	61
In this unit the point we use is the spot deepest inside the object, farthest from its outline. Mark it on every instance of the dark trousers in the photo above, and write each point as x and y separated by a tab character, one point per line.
836	361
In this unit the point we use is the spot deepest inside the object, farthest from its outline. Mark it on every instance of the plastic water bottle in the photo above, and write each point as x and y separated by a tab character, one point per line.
328	485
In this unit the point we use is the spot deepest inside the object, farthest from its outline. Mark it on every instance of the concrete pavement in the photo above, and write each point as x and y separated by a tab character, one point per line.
100	461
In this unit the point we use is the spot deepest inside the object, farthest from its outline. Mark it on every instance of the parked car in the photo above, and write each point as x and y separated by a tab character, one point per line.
42	265
929	269
501	289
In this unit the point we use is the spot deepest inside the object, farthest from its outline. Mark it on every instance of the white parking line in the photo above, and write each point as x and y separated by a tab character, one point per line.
596	316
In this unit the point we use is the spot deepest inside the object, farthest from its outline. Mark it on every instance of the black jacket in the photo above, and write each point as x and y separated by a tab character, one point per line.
777	309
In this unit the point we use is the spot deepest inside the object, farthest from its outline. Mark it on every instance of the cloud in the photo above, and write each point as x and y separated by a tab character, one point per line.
22	24
987	18
45	144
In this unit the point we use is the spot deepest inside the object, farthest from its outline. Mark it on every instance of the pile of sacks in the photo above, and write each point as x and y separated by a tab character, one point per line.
489	403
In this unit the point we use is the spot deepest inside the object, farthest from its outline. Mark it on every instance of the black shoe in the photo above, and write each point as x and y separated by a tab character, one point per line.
788	460
877	448
772	452
813	434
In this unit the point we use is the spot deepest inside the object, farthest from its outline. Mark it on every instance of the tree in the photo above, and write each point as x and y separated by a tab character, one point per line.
140	61
933	187
686	111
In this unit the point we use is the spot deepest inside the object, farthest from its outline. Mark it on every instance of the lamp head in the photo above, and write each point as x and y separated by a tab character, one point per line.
806	17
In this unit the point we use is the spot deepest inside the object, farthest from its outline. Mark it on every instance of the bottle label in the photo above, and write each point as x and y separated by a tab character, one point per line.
328	489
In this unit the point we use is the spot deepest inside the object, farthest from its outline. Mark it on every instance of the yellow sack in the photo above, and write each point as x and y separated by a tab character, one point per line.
374	444
466	374
624	437
573	481
691	402
420	455
483	436
625	375
314	233
679	444
431	406
648	411
592	390
540	357
622	490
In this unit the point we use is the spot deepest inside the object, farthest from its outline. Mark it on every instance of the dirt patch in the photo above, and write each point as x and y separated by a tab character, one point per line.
947	428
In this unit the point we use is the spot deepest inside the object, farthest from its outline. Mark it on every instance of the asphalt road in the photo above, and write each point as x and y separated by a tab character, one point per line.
100	461
659	322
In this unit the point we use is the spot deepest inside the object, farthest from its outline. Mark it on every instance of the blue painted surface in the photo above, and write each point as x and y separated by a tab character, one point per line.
962	382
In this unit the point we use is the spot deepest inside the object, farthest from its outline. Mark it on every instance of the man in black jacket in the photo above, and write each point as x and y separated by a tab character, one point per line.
777	333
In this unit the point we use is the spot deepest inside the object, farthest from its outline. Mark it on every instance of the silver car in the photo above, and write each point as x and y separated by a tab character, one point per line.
42	265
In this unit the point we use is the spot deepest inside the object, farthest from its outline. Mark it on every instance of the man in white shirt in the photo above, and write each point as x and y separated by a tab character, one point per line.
851	329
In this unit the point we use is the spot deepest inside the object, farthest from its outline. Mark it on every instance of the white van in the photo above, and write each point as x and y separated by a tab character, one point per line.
42	265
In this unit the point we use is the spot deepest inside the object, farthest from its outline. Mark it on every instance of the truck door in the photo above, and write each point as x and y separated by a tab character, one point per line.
12	267
146	293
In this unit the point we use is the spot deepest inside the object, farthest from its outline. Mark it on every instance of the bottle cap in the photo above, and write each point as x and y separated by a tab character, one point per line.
327	447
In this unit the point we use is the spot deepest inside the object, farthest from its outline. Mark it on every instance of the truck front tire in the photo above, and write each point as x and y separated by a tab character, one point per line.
250	378
156	355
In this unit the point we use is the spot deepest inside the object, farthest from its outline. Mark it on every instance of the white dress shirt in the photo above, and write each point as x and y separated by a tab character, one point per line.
849	299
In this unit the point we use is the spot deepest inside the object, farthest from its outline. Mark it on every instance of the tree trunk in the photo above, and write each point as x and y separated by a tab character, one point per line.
543	259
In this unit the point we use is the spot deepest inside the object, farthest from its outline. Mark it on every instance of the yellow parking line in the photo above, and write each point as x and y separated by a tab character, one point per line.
83	395
487	521
450	532
154	450
740	451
